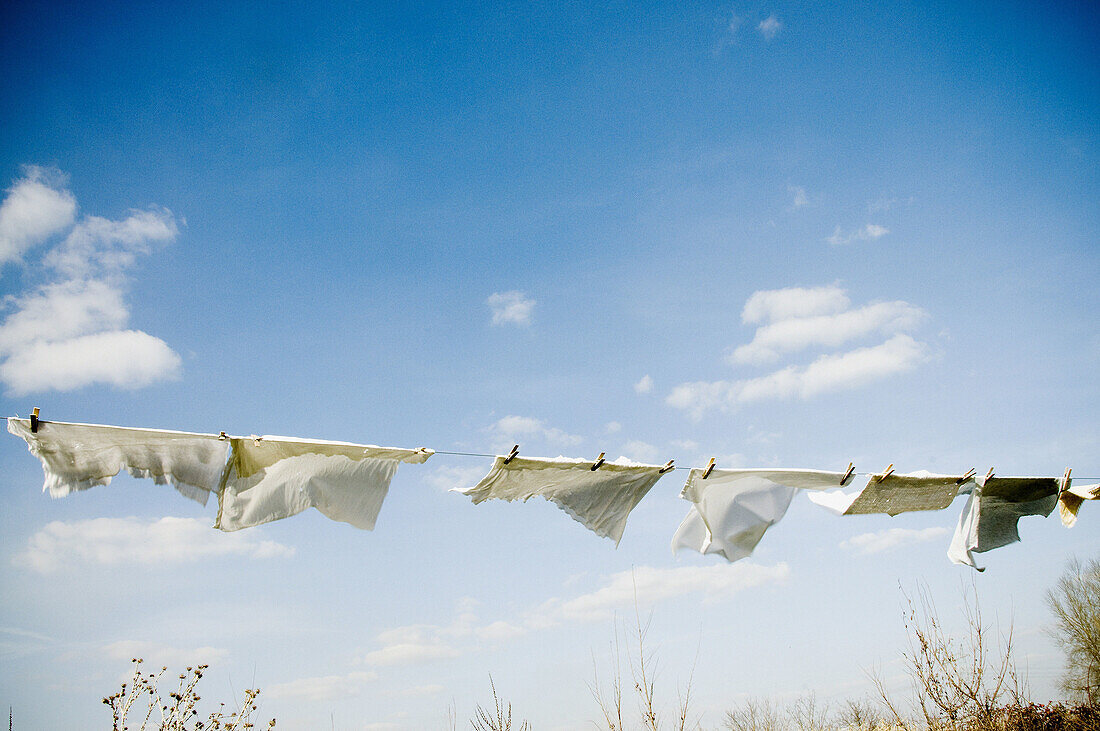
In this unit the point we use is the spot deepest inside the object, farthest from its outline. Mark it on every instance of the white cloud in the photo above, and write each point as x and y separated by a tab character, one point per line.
157	655
612	427
883	540
452	477
772	305
828	373
122	358
647	585
770	27
510	430
410	653
113	541
511	307
640	451
645	385
798	333
36	207
68	333
869	232
325	688
800	197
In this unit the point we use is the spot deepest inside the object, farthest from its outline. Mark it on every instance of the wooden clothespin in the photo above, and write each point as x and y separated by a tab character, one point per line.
885	473
222	436
848	472
666	468
599	461
512	454
989	474
969	473
256	440
1065	481
34	420
709	469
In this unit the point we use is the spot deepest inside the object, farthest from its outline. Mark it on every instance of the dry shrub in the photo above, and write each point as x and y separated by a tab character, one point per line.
178	712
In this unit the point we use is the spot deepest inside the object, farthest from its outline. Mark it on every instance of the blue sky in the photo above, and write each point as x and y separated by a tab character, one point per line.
462	227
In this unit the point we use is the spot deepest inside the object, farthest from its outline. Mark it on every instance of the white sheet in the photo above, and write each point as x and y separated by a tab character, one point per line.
894	494
992	512
79	456
601	500
733	508
270	478
1070	500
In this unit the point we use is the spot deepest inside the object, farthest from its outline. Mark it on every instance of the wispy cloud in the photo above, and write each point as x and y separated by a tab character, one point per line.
771	305
156	654
448	477
511	308
640	451
797	333
36	207
646	585
797	318
514	429
418	644
800	197
71	331
769	27
644	384
113	541
869	232
884	540
324	688
828	373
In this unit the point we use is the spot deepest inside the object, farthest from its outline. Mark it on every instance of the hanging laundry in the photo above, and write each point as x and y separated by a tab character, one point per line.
996	504
80	456
599	499
893	494
1070	500
270	478
733	508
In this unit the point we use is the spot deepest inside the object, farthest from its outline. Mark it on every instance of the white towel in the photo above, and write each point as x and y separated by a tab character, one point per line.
1070	499
270	478
894	494
992	513
733	508
80	456
599	499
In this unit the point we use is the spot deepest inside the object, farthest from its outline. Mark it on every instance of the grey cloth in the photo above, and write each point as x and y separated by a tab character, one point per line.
991	516
893	494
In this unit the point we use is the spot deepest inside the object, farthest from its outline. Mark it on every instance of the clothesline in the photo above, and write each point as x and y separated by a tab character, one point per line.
258	479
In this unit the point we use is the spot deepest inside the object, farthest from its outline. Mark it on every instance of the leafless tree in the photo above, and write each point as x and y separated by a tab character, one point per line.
1075	602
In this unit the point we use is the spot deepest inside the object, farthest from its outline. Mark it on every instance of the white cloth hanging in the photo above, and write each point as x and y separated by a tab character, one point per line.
79	456
992	512
1071	498
731	509
269	478
894	494
599	499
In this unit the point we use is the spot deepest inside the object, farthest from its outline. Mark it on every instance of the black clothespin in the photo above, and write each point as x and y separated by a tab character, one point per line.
512	454
666	468
848	472
599	461
886	473
709	469
969	473
34	420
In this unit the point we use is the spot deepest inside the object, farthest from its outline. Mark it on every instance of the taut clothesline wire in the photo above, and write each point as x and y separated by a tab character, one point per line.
493	456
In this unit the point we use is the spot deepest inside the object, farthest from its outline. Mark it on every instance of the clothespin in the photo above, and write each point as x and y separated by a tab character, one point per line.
989	474
848	472
34	420
1065	481
221	436
512	454
256	440
709	469
886	473
666	468
969	473
599	461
